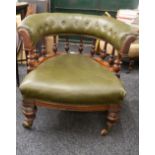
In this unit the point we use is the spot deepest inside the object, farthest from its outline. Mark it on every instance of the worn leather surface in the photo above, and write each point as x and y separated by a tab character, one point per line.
108	28
72	79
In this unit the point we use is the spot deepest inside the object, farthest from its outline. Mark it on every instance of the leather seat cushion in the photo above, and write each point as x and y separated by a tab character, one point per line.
72	79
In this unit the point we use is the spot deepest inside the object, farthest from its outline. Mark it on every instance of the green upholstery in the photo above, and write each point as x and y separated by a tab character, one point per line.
72	79
108	28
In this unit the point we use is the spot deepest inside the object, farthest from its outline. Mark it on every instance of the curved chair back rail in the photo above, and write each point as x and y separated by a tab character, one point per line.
36	26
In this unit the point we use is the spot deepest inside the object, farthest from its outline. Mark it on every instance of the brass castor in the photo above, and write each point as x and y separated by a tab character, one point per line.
104	132
27	125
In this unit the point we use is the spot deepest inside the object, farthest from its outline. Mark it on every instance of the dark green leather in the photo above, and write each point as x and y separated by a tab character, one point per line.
72	79
108	28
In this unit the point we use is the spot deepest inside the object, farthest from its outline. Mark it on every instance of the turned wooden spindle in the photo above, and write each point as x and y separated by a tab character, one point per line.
105	46
54	45
67	45
26	54
93	48
117	66
36	54
103	53
111	57
110	60
27	60
31	60
113	51
81	46
43	50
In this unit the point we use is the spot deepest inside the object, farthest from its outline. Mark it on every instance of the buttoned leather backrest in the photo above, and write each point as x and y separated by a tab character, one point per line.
107	28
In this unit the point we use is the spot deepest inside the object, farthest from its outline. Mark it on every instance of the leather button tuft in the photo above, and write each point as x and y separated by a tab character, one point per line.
105	27
86	23
40	30
114	34
51	22
47	28
96	24
63	21
110	29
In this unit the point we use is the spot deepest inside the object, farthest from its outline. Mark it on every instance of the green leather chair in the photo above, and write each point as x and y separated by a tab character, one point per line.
74	80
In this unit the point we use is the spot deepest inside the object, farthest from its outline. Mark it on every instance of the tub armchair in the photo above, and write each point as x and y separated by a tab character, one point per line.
74	80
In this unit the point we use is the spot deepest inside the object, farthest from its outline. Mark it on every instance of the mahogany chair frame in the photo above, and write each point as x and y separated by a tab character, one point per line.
113	64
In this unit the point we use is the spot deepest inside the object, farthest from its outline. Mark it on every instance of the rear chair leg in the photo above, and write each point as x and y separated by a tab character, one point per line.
131	64
112	118
29	111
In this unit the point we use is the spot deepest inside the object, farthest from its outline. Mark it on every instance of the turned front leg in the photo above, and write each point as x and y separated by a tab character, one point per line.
29	111
112	118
